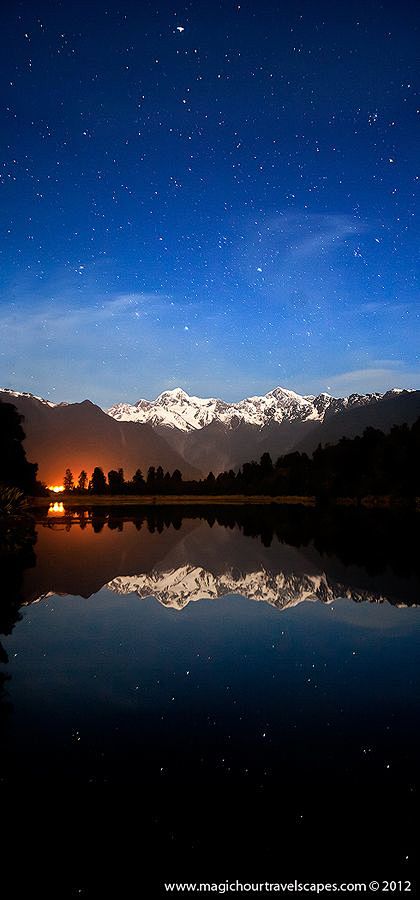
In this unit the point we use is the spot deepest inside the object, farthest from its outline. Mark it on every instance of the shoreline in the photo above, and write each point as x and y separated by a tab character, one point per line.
166	500
368	502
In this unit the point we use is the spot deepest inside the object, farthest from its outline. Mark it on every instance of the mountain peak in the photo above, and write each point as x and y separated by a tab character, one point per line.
26	395
280	391
173	394
176	409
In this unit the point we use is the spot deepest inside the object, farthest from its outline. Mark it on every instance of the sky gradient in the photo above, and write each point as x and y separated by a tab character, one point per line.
216	196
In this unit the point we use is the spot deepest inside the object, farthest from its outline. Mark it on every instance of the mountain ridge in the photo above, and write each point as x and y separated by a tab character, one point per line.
197	435
177	409
176	588
81	436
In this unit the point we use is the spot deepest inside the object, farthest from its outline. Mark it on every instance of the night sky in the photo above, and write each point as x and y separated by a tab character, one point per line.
214	195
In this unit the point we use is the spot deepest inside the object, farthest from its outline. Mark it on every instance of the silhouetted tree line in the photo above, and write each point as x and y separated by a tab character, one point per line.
156	482
375	463
15	470
17	528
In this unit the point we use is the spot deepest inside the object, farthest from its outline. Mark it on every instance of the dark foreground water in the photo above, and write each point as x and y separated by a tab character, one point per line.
230	694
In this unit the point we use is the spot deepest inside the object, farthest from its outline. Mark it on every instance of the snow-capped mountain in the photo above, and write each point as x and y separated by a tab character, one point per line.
176	588
176	409
81	436
197	435
173	409
22	394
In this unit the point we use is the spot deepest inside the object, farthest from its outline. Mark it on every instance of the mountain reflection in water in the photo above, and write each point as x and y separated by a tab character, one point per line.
274	556
252	738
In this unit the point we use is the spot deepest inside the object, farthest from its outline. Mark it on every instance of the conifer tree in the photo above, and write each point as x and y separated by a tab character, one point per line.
68	480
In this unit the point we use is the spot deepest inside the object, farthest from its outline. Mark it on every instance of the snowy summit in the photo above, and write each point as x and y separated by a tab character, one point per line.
177	409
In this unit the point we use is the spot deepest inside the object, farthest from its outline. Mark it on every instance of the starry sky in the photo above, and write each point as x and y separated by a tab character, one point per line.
219	196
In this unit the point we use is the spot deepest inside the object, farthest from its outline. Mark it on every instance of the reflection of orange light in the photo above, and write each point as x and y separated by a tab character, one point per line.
56	488
56	508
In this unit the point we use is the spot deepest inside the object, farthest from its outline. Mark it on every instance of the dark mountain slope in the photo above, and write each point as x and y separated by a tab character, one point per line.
391	409
81	436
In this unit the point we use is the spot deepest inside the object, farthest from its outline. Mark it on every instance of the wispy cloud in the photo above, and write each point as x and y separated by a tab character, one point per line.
305	235
124	346
304	262
69	350
64	318
371	379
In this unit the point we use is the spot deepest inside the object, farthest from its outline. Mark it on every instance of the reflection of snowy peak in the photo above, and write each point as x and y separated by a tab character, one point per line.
176	409
178	587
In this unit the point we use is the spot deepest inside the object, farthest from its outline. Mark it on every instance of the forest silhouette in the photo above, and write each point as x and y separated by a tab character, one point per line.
372	464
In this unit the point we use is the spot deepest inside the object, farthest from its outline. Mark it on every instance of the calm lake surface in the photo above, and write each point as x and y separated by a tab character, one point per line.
246	682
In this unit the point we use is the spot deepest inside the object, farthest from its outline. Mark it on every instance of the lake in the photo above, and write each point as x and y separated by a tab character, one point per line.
244	681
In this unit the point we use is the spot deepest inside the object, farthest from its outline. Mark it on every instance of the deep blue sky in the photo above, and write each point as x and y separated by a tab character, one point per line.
215	195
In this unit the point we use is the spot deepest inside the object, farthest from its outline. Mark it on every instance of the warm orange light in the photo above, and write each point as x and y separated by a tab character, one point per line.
56	508
56	488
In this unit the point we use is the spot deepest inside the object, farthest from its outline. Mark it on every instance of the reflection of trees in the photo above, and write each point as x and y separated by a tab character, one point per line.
115	524
17	540
98	516
373	539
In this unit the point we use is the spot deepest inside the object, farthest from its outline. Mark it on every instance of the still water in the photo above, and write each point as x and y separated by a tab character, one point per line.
246	682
